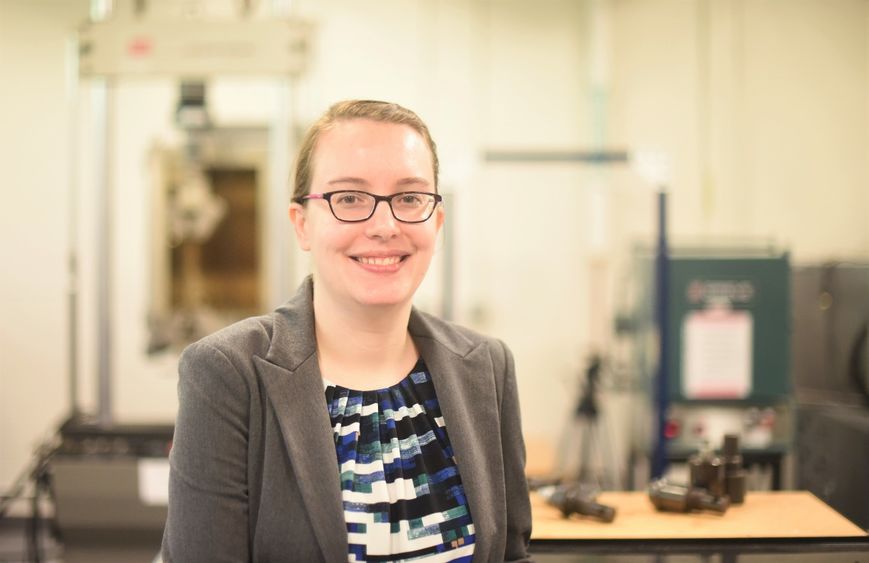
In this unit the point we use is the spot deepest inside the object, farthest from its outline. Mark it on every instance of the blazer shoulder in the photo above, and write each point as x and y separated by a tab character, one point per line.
460	339
236	343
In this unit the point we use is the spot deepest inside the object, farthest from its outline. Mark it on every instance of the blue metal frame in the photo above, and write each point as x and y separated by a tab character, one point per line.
662	288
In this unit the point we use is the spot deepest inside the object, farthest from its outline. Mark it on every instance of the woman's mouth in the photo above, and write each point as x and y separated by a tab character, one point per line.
379	261
381	264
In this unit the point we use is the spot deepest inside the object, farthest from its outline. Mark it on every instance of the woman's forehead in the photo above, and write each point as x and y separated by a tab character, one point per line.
363	147
361	134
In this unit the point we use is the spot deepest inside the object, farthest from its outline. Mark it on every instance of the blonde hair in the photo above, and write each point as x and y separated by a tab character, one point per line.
374	110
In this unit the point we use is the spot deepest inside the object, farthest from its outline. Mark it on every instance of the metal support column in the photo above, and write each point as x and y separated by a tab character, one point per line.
662	314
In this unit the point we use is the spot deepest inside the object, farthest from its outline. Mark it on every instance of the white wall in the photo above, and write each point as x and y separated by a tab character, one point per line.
34	159
805	141
762	106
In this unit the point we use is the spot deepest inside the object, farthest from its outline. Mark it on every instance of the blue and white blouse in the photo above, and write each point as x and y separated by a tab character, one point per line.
403	496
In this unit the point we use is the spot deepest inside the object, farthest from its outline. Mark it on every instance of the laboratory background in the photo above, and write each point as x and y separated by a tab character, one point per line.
662	206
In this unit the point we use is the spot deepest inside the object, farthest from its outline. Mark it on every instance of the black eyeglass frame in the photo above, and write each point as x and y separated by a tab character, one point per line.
438	198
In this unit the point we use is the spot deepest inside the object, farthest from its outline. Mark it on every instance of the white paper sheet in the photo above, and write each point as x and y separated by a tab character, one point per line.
717	354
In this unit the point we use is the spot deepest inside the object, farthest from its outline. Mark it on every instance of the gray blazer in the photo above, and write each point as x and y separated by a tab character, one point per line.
254	474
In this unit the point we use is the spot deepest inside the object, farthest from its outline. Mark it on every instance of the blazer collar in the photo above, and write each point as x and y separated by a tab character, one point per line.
462	373
293	337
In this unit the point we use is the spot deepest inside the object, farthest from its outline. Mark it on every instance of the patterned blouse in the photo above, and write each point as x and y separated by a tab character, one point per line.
403	496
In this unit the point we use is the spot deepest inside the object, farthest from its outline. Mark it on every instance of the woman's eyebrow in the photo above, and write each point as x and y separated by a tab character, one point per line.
412	181
348	180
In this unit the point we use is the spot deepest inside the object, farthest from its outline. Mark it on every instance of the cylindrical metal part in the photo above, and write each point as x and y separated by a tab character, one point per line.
678	498
731	446
735	486
734	474
698	499
668	497
576	500
588	507
707	472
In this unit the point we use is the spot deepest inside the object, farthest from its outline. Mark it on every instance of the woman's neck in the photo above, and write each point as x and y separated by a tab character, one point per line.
363	347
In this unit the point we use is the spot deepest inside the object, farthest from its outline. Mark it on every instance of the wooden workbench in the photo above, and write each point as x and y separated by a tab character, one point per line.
776	514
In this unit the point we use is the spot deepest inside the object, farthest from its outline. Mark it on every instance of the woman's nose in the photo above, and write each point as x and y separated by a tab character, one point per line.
382	223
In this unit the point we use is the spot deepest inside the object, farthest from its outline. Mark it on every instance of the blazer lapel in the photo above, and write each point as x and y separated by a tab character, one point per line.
294	387
464	382
299	404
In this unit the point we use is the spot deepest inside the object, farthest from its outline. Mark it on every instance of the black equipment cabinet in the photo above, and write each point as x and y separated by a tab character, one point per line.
831	385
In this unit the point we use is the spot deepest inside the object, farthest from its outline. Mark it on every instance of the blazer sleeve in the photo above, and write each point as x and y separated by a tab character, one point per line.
208	500
513	447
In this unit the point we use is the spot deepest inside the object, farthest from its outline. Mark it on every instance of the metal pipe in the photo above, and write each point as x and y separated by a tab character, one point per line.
662	288
103	112
282	264
281	145
102	102
72	90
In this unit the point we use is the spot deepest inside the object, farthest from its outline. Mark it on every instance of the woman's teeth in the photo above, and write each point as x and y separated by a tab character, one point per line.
379	261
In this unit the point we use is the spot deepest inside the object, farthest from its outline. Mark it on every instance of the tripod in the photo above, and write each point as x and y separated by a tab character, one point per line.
587	427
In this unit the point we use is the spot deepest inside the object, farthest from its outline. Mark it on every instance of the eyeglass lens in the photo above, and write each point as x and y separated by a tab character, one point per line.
410	207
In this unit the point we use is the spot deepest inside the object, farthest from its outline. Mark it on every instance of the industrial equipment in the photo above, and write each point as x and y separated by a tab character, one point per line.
107	478
110	482
831	384
721	476
727	351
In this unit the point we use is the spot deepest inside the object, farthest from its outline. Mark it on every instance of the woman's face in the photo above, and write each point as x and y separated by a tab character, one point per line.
380	261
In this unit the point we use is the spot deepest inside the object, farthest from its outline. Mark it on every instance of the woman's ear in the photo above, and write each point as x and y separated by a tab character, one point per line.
440	215
300	224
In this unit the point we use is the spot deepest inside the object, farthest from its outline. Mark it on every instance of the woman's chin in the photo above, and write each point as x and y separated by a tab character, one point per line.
384	295
383	299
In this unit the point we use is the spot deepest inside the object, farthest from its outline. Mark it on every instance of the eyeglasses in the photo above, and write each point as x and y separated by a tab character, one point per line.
351	206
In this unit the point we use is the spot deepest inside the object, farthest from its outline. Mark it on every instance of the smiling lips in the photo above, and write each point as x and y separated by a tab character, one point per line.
380	263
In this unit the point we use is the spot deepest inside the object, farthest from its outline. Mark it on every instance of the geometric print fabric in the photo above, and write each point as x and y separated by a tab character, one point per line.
402	493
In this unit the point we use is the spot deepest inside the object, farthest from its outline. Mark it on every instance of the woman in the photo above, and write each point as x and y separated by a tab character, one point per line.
346	425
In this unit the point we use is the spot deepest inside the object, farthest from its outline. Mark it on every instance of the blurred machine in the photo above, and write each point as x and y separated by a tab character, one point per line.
729	356
831	384
831	321
207	245
109	479
111	483
728	352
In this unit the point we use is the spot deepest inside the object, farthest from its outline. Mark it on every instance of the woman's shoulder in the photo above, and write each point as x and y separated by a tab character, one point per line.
239	341
453	335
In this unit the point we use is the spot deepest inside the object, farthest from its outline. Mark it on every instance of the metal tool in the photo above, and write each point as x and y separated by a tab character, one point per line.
669	497
577	499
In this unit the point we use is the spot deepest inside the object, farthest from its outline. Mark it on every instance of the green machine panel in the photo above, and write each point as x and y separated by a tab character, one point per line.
729	329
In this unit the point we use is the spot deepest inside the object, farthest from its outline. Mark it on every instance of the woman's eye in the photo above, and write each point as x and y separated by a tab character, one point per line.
348	199
410	199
